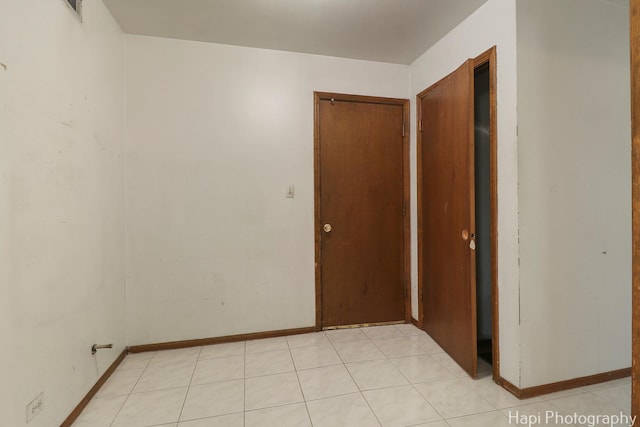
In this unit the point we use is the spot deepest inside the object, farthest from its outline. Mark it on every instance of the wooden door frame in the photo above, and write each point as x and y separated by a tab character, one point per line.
404	103
488	57
634	37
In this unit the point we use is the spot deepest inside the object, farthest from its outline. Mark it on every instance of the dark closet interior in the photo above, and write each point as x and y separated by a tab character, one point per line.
483	210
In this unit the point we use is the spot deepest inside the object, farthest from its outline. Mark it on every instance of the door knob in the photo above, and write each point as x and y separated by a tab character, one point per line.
327	228
465	237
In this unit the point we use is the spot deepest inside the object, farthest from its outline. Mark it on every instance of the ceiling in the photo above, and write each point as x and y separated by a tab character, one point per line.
396	31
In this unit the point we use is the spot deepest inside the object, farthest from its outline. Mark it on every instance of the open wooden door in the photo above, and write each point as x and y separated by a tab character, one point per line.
446	217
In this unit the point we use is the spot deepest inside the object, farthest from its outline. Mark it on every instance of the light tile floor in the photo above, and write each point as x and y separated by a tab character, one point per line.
389	376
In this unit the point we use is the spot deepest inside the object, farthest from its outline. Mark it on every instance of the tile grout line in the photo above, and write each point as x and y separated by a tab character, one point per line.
413	386
199	419
452	379
345	367
457	417
361	393
304	399
184	402
134	386
360	361
337	351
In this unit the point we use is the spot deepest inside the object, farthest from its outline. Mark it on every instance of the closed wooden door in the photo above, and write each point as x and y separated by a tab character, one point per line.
447	215
360	196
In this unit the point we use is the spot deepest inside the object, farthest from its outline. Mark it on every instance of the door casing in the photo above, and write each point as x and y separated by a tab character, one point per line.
634	15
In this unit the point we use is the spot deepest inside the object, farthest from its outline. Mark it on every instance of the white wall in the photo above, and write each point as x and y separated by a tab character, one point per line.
61	204
214	136
493	24
575	194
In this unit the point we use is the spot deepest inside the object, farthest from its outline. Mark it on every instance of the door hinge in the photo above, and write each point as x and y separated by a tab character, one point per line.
404	209
405	289
420	125
402	129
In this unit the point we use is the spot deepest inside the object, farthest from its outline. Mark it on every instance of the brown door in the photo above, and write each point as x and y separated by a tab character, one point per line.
446	223
360	197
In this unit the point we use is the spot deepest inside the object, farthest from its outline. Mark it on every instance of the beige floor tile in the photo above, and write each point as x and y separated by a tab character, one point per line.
380	332
136	360
398	347
375	374
346	335
400	406
268	363
358	351
487	419
120	383
350	410
315	357
418	369
100	412
157	377
294	415
222	350
453	398
409	329
272	390
308	340
168	358
267	344
218	369
232	420
210	400
152	408
326	382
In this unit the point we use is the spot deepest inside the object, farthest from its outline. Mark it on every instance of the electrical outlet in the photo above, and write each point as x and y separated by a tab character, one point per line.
35	407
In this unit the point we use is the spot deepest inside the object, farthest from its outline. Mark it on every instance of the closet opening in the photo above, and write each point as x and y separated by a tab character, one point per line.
482	134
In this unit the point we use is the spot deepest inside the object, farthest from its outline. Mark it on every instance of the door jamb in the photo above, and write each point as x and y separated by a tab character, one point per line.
634	18
489	57
317	97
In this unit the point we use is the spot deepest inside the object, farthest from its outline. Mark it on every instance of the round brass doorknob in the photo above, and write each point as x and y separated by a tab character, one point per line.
327	228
